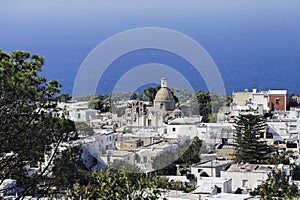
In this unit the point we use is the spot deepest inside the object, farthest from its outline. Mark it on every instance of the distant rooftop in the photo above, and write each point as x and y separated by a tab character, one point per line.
211	180
227	196
213	163
186	120
251	168
118	153
282	92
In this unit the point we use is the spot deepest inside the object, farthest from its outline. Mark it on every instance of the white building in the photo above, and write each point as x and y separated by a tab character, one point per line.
142	157
97	145
78	111
216	133
186	126
224	185
83	115
212	168
146	155
248	176
261	101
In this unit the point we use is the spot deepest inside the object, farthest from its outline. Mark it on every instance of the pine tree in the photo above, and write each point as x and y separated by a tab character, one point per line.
27	128
248	146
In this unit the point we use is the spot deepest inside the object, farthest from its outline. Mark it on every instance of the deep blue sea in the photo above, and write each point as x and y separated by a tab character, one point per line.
239	71
254	43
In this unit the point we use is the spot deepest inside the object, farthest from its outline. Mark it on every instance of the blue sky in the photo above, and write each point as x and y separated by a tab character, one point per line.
253	43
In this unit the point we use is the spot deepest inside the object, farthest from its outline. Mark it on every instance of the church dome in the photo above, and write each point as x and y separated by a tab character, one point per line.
164	100
164	94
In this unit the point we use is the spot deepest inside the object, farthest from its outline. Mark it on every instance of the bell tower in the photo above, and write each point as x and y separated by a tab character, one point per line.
163	82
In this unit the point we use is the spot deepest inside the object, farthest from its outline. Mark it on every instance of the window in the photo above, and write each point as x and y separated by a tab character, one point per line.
291	145
161	106
173	129
78	115
277	101
145	159
244	183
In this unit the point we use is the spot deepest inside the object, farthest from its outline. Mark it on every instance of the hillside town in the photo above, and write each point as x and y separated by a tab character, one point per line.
146	131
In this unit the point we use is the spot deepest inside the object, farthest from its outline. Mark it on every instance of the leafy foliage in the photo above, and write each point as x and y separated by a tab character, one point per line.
69	169
136	96
296	173
277	186
84	129
100	102
165	183
191	154
150	93
278	158
27	128
64	97
184	95
164	164
86	97
208	105
111	184
248	146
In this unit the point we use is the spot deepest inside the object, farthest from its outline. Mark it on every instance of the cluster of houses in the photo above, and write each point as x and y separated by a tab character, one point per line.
146	131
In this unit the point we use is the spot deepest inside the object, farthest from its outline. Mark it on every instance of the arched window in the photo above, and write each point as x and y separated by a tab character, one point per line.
161	106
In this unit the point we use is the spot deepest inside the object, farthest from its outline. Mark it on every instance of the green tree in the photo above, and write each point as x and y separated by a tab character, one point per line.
84	129
277	158
112	184
100	102
27	128
248	146
204	105
208	104
64	97
164	164
150	93
296	172
134	96
174	96
86	97
276	186
69	169
191	154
